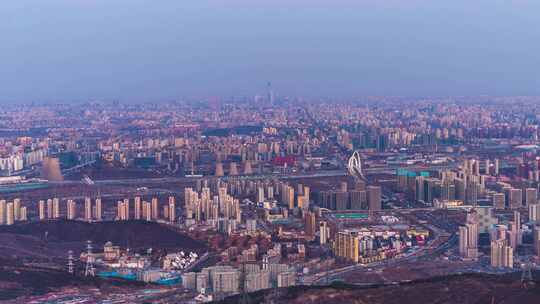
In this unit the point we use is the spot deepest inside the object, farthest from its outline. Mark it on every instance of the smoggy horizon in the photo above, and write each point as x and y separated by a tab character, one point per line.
137	50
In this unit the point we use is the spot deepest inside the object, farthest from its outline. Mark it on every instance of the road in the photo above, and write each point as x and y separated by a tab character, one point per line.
329	173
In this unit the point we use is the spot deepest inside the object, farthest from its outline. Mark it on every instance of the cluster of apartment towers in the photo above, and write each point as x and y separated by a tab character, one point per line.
11	212
142	210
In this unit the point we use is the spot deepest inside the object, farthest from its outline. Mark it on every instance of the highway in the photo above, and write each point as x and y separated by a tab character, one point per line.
329	173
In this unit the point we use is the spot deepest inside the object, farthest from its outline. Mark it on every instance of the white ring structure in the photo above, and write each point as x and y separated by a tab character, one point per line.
355	166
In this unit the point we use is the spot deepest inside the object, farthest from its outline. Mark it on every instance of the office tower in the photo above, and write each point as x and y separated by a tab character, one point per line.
324	232
98	211
310	223
374	198
49	208
531	196
155	209
70	209
10	214
87	209
137	208
56	208
486	167
346	245
3	212
172	209
17	209
498	200
41	207
496	167
515	198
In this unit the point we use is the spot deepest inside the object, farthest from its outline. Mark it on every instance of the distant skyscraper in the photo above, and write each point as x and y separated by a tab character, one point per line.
270	93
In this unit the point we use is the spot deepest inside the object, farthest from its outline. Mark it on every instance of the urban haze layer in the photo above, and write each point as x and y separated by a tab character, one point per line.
271	199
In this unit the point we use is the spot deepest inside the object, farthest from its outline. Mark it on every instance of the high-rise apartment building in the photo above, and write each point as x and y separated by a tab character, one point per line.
374	198
88	209
70	209
137	208
98	212
3	211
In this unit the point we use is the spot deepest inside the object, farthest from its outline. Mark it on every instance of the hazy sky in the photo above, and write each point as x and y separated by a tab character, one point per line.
163	49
